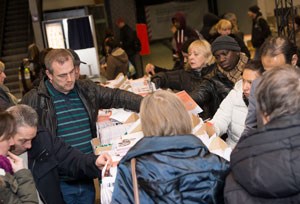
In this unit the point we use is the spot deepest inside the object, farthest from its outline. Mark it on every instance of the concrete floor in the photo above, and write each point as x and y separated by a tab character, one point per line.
160	55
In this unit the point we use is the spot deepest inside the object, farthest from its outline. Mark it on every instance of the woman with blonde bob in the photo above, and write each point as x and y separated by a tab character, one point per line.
163	114
224	27
200	63
172	165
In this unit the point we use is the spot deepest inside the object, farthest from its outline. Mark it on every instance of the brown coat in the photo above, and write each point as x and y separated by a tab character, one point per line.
117	62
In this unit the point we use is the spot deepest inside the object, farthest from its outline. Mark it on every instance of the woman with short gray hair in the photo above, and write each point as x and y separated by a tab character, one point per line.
265	164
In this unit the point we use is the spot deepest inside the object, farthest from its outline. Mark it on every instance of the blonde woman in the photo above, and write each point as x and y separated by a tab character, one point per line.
224	27
16	182
172	165
200	62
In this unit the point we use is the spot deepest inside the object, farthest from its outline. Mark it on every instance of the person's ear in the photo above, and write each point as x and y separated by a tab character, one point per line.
49	75
294	60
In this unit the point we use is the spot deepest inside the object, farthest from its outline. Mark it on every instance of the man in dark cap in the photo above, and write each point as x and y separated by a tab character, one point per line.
260	29
230	60
217	84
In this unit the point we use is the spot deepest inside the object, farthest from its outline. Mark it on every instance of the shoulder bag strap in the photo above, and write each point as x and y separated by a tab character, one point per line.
134	181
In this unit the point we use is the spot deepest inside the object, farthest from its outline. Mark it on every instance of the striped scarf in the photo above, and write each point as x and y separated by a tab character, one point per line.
235	74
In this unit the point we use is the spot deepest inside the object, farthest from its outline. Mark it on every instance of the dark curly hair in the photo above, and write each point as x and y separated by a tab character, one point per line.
111	42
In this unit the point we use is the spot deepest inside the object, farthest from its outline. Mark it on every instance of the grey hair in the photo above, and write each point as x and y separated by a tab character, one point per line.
57	55
24	115
278	92
230	16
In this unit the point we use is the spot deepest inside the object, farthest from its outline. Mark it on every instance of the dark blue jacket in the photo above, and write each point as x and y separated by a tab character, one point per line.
171	169
50	155
265	165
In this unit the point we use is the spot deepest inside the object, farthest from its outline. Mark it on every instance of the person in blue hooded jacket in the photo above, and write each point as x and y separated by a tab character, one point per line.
172	165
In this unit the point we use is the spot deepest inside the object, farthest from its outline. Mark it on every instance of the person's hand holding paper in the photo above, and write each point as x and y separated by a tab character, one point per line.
102	160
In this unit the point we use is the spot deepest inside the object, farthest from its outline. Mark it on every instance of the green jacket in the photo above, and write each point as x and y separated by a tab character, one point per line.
18	188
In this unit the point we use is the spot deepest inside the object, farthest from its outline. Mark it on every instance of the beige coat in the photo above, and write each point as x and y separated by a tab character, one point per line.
117	62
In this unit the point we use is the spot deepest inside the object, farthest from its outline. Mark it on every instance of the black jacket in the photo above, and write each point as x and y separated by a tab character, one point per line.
187	80
209	20
127	39
4	100
265	165
171	169
209	94
92	96
260	31
50	155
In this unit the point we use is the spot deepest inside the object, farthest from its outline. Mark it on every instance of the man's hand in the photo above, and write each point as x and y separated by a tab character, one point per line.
150	68
17	163
101	161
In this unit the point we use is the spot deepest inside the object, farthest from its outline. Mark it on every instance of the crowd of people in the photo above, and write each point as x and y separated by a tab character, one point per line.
252	103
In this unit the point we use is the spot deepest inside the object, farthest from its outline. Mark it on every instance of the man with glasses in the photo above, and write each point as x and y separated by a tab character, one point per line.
69	108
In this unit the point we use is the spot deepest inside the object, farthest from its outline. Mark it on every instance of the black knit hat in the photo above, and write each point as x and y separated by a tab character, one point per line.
225	42
254	9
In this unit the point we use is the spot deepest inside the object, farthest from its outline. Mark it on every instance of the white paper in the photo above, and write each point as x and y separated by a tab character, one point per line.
113	83
223	153
103	170
205	139
109	133
120	115
141	86
134	126
107	186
